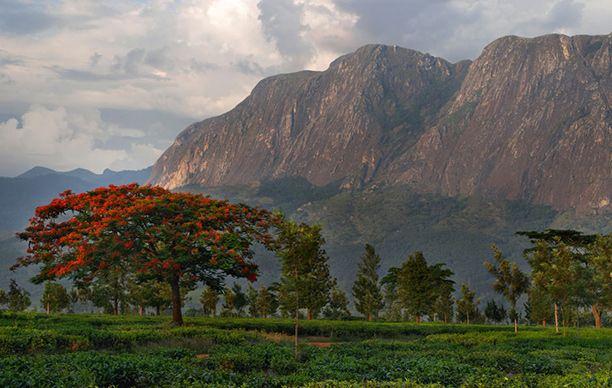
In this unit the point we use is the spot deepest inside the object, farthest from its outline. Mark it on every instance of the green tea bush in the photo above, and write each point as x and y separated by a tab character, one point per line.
94	350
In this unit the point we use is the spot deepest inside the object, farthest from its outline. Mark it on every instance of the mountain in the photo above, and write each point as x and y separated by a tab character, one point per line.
529	119
106	178
342	125
532	121
399	149
409	152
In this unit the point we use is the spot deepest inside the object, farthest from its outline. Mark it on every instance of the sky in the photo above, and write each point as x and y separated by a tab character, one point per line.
109	84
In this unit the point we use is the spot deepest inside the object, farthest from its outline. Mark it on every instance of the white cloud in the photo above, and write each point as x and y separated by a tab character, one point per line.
63	139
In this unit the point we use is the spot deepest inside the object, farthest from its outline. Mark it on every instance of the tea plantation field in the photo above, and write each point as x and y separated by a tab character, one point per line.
37	350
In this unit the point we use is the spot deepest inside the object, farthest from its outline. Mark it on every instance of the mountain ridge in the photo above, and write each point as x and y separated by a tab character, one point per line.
22	194
506	125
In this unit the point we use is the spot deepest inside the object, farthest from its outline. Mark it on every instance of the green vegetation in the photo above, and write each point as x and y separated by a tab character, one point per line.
366	289
510	281
420	286
305	279
16	299
55	297
103	350
113	260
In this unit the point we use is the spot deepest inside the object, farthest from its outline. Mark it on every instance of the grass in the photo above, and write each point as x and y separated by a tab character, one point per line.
96	350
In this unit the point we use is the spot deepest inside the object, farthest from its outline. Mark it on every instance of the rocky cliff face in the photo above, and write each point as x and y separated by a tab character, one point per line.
529	119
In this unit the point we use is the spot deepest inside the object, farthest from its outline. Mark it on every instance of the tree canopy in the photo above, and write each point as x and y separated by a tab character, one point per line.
179	238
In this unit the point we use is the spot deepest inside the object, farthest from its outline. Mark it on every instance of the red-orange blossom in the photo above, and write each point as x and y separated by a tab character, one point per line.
180	238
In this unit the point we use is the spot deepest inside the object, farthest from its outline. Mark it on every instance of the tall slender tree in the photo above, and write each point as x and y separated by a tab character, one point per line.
557	272
443	289
415	290
467	305
510	281
538	307
392	304
599	259
560	262
305	279
3	297
366	289
251	296
240	299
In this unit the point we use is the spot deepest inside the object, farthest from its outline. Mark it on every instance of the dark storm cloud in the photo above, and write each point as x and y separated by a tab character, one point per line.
418	24
281	21
456	30
564	14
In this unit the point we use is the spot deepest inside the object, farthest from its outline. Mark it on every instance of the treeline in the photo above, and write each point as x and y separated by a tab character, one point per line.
570	274
115	295
132	248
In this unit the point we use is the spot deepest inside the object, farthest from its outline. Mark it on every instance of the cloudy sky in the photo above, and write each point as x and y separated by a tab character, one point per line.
97	84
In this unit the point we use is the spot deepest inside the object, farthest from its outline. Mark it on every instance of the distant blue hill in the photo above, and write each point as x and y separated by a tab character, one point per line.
107	177
20	195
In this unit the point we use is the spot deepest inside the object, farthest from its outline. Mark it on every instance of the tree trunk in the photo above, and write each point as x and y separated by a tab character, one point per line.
177	316
309	316
369	317
515	315
515	325
597	316
116	306
297	323
140	310
157	310
418	319
296	332
556	318
543	322
48	307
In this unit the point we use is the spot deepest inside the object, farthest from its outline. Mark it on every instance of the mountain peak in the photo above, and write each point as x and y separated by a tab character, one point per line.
370	54
36	172
527	115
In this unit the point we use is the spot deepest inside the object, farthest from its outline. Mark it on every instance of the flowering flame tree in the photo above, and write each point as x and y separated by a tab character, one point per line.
179	238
